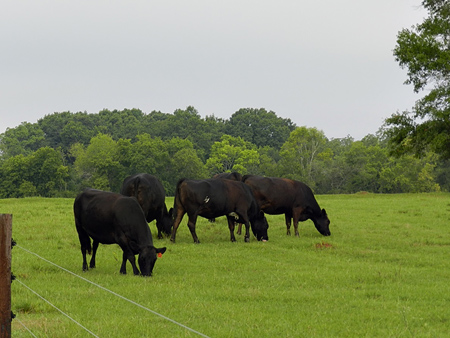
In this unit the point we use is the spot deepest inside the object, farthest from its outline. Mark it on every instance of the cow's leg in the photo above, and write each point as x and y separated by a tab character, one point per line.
231	225
247	231
83	252
123	267
191	225
176	224
85	244
94	252
288	220
239	230
244	217
159	225
296	215
132	260
160	236
128	255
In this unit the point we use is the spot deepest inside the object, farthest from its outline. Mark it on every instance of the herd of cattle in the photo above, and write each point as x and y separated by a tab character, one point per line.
122	219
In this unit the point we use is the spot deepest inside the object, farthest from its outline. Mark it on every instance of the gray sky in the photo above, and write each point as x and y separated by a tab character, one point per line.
326	64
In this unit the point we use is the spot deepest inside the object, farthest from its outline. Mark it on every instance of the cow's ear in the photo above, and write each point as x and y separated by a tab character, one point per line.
161	250
324	212
171	213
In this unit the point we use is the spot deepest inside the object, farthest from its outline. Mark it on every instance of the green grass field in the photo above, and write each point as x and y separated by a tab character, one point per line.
383	272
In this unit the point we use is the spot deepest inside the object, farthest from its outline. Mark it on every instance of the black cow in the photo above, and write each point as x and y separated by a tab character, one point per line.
234	176
150	194
292	198
110	218
212	198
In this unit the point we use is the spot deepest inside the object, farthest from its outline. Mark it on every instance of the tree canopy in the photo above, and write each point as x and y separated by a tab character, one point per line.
424	50
65	152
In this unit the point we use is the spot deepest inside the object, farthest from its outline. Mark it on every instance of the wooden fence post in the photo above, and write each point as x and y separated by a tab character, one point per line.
5	275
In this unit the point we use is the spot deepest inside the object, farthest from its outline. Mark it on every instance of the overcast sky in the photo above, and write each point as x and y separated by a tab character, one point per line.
326	64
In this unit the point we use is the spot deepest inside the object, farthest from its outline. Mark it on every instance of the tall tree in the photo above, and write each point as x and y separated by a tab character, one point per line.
99	163
232	154
259	127
300	153
40	173
425	51
24	139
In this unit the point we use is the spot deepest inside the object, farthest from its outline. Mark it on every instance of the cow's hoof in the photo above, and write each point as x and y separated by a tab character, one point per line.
247	239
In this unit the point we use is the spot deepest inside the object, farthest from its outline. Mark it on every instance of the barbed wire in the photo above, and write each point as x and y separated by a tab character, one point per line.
115	294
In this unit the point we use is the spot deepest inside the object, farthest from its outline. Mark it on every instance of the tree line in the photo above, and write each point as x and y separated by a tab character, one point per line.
65	152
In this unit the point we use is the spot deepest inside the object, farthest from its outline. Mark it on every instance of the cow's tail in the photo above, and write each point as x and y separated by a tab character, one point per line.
177	199
85	240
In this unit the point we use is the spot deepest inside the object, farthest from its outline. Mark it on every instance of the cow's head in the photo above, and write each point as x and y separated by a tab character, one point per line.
147	259
322	223
259	227
165	224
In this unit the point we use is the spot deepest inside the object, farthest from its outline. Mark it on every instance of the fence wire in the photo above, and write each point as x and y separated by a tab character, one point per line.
26	328
65	314
107	290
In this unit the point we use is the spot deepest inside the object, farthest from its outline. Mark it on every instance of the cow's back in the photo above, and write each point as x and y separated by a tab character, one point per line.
106	215
279	195
218	194
234	176
149	192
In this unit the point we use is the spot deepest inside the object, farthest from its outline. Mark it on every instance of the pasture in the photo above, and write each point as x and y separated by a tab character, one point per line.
383	272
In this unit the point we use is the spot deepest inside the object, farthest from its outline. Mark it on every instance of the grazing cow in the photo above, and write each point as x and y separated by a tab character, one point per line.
110	218
212	198
150	194
234	176
292	198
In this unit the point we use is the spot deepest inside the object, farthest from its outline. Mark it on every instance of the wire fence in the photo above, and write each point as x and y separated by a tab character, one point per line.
100	287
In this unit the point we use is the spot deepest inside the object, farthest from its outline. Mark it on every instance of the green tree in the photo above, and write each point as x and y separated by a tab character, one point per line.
424	51
268	162
364	163
232	154
184	162
300	154
125	124
48	174
99	165
338	172
13	172
259	127
409	174
52	125
40	173
149	155
24	139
